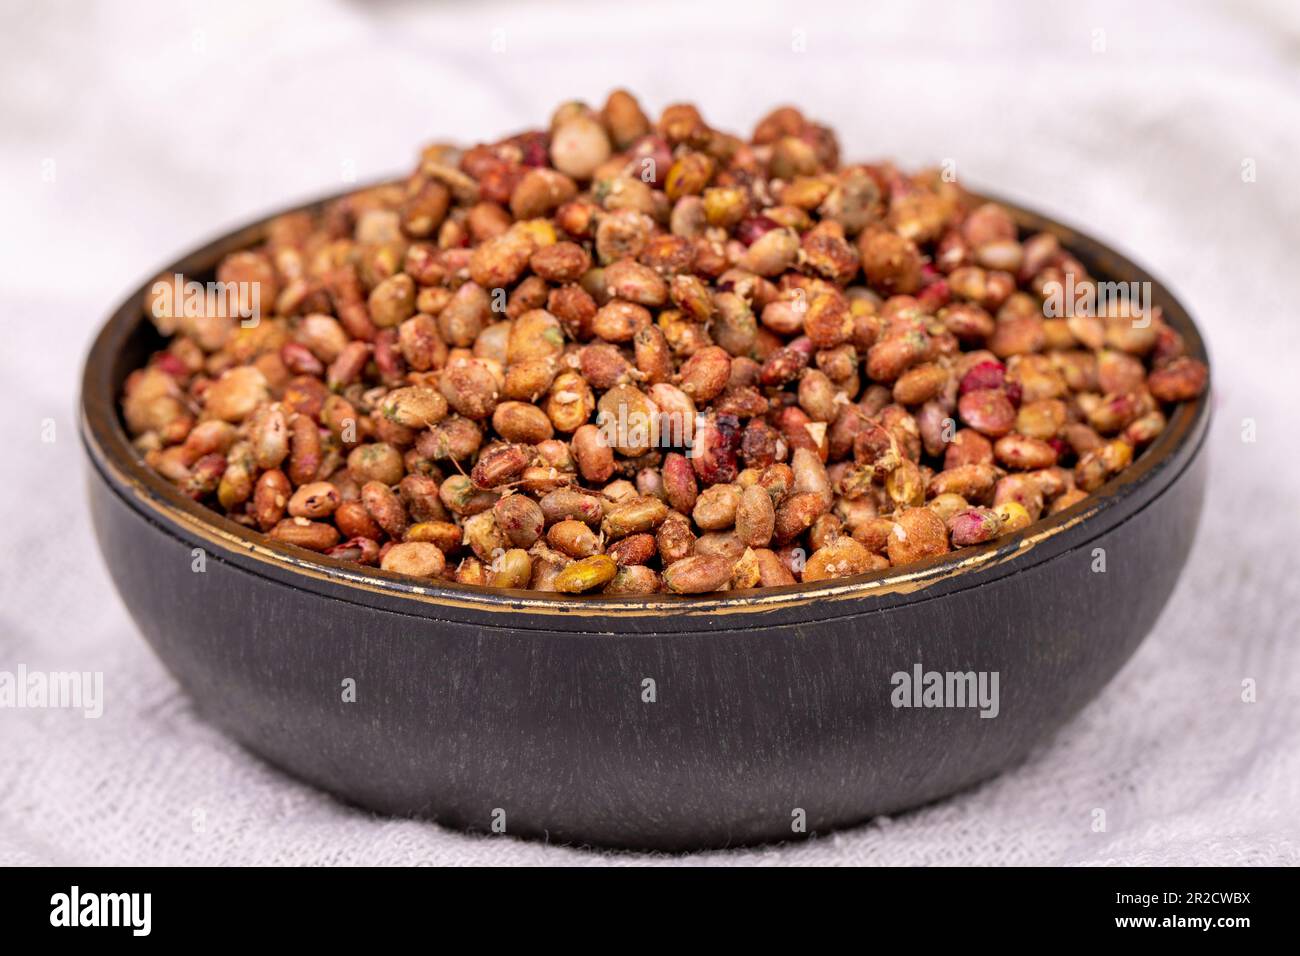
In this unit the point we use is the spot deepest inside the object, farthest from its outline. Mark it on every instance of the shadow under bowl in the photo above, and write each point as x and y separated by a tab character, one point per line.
661	722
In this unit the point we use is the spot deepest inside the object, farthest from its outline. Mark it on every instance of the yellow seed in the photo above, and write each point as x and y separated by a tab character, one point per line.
1117	455
724	206
514	569
541	231
947	505
746	573
586	574
1013	515
904	487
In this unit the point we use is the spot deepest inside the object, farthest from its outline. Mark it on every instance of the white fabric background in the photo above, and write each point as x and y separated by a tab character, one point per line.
169	122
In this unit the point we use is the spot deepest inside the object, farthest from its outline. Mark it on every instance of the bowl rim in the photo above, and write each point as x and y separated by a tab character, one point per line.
155	498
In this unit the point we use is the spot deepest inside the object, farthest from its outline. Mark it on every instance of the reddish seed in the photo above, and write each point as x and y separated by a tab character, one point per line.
752	228
983	375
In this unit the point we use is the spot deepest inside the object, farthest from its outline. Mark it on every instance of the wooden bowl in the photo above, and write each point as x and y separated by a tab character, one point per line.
665	722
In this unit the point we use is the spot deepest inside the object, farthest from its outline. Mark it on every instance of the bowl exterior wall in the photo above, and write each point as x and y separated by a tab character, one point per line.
720	736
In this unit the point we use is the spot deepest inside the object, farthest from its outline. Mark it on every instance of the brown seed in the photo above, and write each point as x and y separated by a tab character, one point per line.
972	482
462	319
634	549
570	402
573	538
891	357
840	558
1145	429
631	281
539	192
347	368
755	517
1042	419
499	261
500	464
746	574
918	533
715	509
796	515
920	384
447	536
354	521
564	503
1114	412
724	543
698	574
778	481
318	499
470	388
1025	490
236	394
520	518
522	423
415	407
454	439
415	558
385	507
637	514
592	454
1021	452
271	498
654	359
483	537
680	488
471	571
392	302
704	375
1067	500
624	119
536	334
818	396
875	533
675	538
579	146
359	550
236	484
270	436
312	535
968	447
461	496
772	571
376	461
629	419
304	450
1181	380
633	579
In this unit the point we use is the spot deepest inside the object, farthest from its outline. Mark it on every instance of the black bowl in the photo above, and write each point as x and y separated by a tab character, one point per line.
665	722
